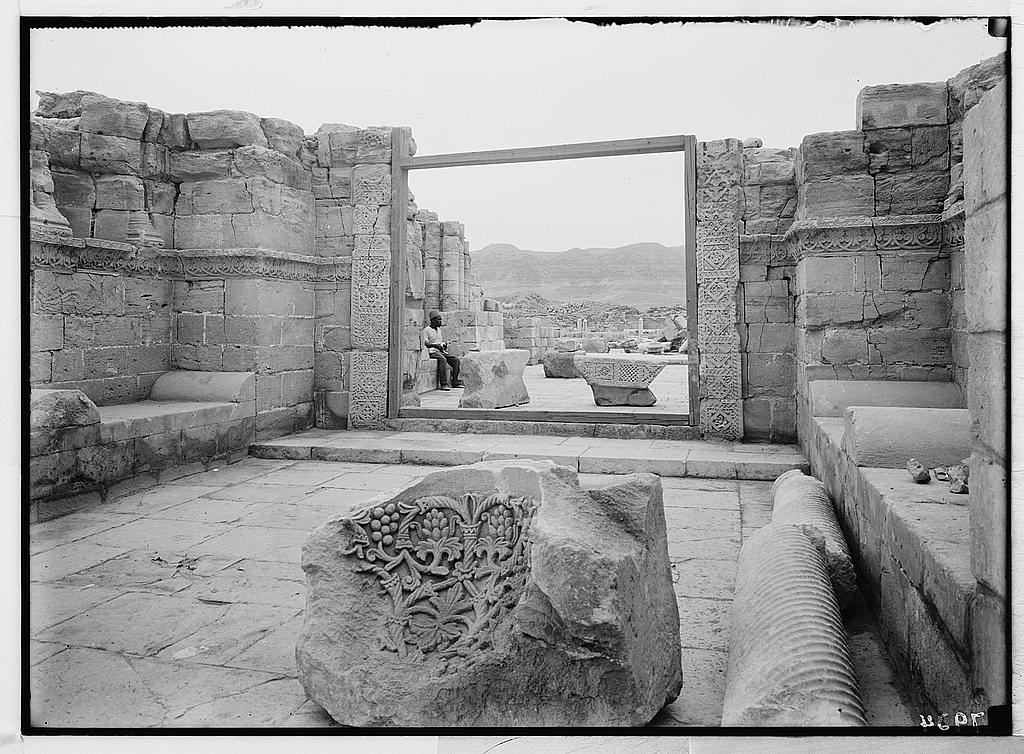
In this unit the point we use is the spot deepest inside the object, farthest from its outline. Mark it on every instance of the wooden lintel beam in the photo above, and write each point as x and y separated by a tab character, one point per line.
621	147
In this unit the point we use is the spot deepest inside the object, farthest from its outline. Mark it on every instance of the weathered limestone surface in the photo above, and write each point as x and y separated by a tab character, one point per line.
886	438
219	129
494	379
560	364
804	502
56	409
832	397
788	659
986	280
493	594
899	105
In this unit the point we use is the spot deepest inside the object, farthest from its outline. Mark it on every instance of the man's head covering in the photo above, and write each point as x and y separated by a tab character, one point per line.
434	313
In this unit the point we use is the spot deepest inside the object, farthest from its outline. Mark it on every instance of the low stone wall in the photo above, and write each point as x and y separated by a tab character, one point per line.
79	452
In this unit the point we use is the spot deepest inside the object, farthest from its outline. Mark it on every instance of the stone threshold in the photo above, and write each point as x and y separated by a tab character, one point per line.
587	455
549	427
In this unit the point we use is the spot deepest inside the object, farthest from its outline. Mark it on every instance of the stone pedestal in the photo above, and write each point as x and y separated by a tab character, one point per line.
619	382
494	379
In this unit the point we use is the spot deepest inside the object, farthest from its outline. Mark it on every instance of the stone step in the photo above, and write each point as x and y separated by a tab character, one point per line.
610	430
588	455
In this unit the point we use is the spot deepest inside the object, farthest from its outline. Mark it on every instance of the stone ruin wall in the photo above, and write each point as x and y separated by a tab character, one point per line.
214	241
839	259
878	237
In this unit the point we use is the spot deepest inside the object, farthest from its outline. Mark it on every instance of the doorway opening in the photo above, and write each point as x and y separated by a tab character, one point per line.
662	344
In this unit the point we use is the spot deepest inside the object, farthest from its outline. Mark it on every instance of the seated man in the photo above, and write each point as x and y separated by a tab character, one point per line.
447	365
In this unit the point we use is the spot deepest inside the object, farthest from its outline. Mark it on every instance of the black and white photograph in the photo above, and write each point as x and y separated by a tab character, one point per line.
460	382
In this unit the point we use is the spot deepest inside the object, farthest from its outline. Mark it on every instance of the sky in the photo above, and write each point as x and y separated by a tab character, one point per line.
527	83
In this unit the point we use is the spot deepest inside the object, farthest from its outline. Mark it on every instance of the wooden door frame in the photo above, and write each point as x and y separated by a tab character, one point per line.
402	163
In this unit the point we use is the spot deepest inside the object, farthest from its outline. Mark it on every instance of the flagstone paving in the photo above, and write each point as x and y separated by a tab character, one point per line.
180	605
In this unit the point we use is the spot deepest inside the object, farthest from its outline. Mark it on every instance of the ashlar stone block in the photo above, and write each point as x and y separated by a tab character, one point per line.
111	117
218	129
110	154
73	188
899	105
124	192
840	196
831	154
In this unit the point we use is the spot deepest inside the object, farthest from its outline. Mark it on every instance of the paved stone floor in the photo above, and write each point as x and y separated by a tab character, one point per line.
671	387
180	605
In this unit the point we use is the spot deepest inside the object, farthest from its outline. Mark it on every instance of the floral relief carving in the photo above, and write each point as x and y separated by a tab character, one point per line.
450	567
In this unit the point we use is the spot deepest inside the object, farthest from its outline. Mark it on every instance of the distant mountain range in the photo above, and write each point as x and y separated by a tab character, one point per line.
639	275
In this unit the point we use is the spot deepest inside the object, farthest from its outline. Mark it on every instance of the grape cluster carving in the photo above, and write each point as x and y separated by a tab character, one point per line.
450	567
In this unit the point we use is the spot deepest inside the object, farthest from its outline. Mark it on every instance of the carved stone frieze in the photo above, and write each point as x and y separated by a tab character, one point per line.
889	234
449	567
371	294
719	170
368	389
720	374
721	418
109	256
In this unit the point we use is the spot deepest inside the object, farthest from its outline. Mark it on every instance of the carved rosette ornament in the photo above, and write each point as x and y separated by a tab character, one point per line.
450	567
719	168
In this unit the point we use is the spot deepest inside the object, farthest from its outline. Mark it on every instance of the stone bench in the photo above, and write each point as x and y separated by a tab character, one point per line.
618	381
79	450
426	373
911	547
494	379
887	437
832	397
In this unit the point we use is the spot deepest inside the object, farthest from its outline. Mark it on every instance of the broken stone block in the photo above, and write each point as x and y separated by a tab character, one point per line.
918	472
55	409
220	129
260	162
282	135
112	117
959	476
559	364
493	595
174	132
899	105
494	379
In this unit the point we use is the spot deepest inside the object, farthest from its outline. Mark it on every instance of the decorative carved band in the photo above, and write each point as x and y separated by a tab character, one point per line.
73	254
368	389
890	234
719	168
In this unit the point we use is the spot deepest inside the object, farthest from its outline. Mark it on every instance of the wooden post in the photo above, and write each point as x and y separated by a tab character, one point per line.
690	252
396	321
